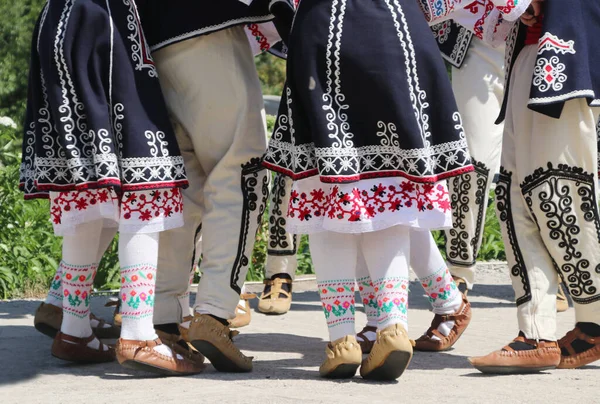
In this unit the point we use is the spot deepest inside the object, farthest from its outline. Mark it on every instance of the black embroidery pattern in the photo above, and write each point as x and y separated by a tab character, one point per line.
555	191
278	236
252	173
503	206
457	250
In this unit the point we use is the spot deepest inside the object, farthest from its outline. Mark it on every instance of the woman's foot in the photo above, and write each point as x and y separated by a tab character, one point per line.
445	330
390	355
154	357
366	338
48	319
343	358
81	350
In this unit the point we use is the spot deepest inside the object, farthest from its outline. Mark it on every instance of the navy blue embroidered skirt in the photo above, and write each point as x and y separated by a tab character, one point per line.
96	116
367	96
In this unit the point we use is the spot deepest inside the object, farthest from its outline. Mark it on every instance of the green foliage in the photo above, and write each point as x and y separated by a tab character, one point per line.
29	252
271	72
18	18
10	145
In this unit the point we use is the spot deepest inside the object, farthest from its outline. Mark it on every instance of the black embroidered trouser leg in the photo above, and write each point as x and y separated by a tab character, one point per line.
281	245
547	206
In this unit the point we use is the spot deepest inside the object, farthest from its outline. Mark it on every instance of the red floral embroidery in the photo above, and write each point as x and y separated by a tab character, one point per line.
78	200
260	37
366	204
153	204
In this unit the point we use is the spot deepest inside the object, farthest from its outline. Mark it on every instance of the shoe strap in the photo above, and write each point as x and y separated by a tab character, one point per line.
76	340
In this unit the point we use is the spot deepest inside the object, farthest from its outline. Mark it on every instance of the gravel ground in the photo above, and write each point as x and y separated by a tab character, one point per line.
288	351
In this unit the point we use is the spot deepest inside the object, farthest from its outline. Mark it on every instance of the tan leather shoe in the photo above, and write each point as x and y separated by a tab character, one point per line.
184	331
576	360
180	347
117	320
48	319
343	358
276	301
243	314
213	340
390	355
544	356
366	345
141	355
562	304
73	349
461	318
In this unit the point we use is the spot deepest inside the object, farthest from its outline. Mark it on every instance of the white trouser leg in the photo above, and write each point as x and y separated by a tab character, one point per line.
213	93
479	89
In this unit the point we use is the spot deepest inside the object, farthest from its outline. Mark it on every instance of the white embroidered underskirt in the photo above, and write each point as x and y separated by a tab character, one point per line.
146	211
367	205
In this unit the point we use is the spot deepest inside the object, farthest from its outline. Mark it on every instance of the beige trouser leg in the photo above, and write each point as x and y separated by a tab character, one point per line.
546	201
282	246
479	89
213	94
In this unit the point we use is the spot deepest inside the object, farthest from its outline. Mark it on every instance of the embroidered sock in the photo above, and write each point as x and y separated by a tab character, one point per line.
138	256
77	279
430	267
392	301
337	297
369	301
55	294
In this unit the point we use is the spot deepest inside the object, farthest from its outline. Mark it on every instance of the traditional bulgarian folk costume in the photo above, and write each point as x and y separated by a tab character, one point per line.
98	143
546	196
478	85
368	131
213	94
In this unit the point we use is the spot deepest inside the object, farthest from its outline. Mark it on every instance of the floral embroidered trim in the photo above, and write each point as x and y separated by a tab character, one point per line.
79	201
337	297
77	282
392	300
147	205
440	288
366	204
367	294
137	290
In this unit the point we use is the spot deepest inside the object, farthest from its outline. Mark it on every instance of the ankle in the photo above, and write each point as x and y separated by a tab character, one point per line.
169	328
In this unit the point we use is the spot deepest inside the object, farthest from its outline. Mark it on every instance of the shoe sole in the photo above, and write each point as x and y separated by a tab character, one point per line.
511	370
392	367
145	367
343	371
46	330
82	361
219	361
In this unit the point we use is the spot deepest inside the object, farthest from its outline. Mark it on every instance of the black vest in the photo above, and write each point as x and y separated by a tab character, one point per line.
168	22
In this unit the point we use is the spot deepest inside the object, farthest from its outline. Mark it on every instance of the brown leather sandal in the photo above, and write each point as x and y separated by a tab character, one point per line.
273	302
73	349
181	347
242	313
366	344
461	318
576	360
102	332
141	355
117	321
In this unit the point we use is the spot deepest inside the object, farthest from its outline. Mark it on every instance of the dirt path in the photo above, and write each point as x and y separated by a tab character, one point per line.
288	350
